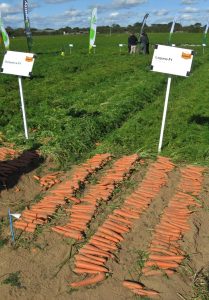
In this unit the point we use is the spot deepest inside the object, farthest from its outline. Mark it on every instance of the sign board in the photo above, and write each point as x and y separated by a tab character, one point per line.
172	60
18	63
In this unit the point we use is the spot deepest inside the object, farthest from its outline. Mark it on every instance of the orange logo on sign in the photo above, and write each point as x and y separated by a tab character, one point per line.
29	59
186	55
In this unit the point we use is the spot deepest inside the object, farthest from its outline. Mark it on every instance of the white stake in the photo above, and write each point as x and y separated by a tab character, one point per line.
164	114
23	107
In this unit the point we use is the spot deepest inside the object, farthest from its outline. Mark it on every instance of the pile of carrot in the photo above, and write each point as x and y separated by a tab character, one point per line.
82	214
10	167
49	180
6	153
42	211
105	241
165	254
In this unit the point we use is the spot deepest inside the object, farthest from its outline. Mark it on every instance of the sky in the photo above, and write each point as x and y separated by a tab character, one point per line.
76	13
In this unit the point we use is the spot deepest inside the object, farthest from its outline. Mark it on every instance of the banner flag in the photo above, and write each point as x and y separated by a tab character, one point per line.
93	29
27	25
172	30
205	34
144	22
5	36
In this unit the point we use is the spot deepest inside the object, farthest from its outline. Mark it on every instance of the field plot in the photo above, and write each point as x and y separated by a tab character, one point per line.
102	215
111	227
109	100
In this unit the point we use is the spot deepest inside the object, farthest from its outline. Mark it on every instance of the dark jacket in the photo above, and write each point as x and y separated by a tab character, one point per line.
144	39
132	40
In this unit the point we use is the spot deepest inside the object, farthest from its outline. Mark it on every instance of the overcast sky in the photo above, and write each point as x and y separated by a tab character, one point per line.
72	13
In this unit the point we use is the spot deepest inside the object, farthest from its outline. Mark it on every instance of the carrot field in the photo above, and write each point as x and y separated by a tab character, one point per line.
103	216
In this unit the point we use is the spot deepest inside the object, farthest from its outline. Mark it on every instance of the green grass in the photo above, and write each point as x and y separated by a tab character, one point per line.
75	101
13	279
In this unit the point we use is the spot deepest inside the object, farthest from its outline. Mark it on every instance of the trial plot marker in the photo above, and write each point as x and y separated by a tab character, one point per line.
21	65
173	61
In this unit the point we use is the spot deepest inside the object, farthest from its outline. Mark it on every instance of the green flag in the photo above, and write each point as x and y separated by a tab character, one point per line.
5	36
93	29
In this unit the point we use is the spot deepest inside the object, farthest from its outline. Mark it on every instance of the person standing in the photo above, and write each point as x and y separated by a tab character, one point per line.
132	43
144	42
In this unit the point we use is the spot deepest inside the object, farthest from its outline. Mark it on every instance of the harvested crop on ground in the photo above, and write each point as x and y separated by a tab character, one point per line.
39	213
110	234
165	253
81	214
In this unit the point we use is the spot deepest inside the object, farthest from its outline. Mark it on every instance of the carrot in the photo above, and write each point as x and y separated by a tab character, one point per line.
161	264
83	271
162	250
111	233
101	245
175	258
107	237
80	257
116	225
148	293
90	266
96	258
132	285
120	219
20	226
93	253
117	230
92	280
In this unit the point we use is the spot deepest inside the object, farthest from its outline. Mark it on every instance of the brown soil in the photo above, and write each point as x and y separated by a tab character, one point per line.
45	260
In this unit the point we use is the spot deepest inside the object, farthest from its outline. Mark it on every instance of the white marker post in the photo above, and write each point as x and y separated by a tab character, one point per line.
21	65
71	46
94	46
120	47
164	114
23	107
173	61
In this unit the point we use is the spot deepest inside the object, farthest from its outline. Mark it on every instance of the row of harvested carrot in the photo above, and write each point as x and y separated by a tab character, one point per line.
49	180
43	210
10	167
165	254
92	258
82	214
7	153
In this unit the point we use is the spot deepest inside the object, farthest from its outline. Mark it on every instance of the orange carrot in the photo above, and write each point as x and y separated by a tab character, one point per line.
80	257
83	271
91	280
132	285
93	252
148	293
161	264
99	259
176	258
90	266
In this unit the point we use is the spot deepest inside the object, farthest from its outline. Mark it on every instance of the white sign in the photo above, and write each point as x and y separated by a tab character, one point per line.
71	45
172	60
18	63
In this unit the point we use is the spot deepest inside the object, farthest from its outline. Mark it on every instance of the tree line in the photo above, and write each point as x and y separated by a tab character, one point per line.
114	28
